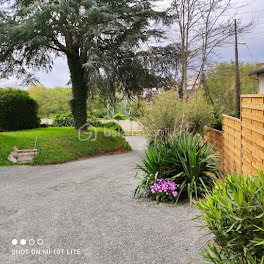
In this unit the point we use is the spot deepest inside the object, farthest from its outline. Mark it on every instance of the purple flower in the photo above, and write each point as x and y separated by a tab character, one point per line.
164	187
175	194
173	186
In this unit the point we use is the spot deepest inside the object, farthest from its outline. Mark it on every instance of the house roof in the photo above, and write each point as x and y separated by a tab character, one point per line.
256	72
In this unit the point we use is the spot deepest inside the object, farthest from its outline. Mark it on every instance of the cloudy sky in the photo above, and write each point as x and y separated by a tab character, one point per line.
253	51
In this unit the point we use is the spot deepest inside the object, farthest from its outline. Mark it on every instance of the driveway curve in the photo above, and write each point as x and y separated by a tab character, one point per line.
83	212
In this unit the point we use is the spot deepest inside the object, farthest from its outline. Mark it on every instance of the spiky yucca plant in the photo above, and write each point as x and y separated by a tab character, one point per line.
186	159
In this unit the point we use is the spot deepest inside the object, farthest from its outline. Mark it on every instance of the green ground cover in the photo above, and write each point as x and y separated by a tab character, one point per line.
137	133
60	144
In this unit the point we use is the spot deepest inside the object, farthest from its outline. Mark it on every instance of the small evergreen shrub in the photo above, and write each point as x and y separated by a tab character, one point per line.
183	159
65	120
234	213
18	110
119	117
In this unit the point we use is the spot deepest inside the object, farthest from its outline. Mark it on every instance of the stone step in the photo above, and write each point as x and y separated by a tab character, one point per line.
28	154
25	159
27	150
23	155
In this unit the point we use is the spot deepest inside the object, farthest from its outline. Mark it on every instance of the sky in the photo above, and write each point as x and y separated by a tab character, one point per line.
251	51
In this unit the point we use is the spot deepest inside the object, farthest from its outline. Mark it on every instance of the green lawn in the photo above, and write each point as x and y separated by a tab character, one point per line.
59	144
137	133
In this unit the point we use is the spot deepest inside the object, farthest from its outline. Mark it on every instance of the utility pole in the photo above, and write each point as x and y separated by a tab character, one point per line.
237	86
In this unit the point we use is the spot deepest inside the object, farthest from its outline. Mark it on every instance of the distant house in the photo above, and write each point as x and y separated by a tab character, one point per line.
193	83
148	93
260	76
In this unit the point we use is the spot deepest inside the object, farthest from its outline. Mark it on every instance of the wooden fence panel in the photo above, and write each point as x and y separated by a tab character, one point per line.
252	129
241	143
215	137
232	144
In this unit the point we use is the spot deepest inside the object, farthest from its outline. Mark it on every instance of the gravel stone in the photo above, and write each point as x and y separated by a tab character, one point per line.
85	211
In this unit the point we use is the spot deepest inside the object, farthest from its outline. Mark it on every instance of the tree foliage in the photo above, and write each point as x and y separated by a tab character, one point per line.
202	26
221	85
99	39
51	101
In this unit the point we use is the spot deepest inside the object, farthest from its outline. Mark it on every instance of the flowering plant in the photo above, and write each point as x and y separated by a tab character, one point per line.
163	190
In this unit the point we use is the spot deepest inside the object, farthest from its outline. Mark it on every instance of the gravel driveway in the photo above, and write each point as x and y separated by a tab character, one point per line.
83	212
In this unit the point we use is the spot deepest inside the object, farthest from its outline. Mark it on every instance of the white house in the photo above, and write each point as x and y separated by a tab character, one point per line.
260	75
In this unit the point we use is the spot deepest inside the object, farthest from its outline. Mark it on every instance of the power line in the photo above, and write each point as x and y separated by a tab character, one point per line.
247	12
250	12
251	33
249	51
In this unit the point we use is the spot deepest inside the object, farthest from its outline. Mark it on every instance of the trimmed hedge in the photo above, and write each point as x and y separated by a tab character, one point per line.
18	110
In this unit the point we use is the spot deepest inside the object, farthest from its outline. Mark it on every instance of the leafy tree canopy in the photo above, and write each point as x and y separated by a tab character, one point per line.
98	37
221	84
51	101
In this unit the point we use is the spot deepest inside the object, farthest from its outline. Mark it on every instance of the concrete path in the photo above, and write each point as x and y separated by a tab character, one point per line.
83	212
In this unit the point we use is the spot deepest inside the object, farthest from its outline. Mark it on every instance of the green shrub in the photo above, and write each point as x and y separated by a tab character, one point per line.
65	120
93	121
18	110
114	126
100	113
164	116
168	115
199	114
234	213
138	106
90	116
183	159
119	117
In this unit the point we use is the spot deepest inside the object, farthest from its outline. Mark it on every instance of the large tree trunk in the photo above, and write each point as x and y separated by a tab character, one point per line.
79	92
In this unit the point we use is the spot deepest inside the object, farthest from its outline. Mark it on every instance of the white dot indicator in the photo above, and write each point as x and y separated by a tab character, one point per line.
23	242
32	242
40	242
14	242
